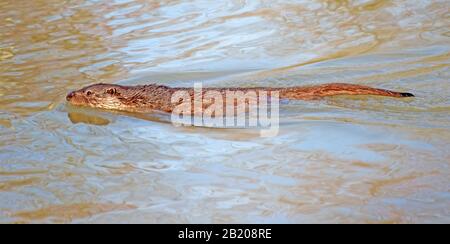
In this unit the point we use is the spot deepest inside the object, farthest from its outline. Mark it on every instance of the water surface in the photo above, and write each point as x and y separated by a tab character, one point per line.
343	159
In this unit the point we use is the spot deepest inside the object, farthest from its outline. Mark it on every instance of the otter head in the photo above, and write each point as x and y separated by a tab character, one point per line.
105	96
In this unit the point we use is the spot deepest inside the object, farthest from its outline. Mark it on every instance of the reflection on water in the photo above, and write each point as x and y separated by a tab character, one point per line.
346	159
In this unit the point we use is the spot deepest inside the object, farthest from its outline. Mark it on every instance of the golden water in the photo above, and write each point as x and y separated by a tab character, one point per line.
346	160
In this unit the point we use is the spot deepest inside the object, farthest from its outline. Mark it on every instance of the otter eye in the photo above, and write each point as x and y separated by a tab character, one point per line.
111	91
88	93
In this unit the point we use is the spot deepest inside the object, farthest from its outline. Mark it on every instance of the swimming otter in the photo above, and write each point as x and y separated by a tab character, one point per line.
149	98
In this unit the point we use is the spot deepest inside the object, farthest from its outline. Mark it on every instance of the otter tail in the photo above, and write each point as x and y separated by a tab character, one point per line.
335	89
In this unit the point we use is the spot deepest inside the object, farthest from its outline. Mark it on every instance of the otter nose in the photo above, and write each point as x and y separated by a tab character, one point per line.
70	96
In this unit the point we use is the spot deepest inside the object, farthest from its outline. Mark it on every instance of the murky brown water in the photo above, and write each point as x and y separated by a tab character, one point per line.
364	160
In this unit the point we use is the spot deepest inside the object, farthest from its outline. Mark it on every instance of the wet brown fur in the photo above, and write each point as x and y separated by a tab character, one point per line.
159	98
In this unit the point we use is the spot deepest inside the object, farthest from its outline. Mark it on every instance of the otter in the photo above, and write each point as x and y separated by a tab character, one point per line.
150	98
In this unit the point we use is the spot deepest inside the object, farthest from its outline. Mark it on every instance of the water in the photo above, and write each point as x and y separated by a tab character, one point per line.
343	159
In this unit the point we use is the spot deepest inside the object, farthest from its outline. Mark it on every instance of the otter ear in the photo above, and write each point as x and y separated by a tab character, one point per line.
111	91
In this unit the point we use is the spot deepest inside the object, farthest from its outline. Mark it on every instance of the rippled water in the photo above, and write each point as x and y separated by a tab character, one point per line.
343	159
